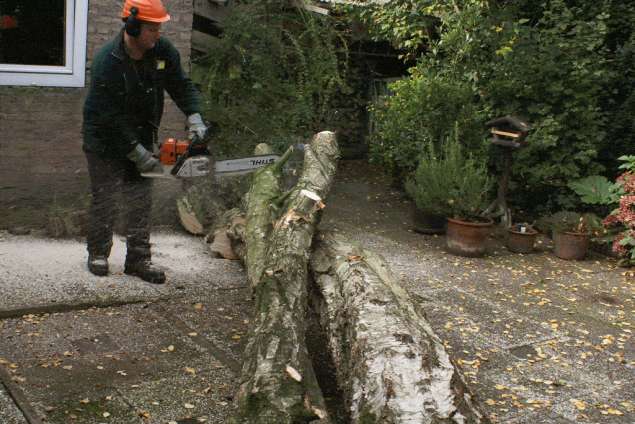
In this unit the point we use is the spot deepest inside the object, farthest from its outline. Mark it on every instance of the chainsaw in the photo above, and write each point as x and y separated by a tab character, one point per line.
192	159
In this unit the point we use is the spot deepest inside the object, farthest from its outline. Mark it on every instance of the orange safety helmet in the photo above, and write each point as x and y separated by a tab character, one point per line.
149	10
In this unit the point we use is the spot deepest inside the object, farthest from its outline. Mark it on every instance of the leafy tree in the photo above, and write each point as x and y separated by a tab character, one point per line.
565	66
273	76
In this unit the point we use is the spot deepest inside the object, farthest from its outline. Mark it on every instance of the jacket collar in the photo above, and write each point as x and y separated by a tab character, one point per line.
119	51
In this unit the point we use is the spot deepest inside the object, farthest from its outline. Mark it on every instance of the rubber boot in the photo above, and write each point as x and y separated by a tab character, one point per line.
145	270
98	265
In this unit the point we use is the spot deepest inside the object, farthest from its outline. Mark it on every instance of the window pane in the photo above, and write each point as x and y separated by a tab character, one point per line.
32	32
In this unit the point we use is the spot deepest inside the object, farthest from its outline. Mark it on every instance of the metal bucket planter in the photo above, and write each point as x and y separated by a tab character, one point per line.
521	238
467	238
426	223
570	246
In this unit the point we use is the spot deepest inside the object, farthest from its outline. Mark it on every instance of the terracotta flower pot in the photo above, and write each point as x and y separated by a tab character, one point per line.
570	246
467	238
521	239
426	223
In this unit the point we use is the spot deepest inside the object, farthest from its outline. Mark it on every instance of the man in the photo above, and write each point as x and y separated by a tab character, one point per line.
122	113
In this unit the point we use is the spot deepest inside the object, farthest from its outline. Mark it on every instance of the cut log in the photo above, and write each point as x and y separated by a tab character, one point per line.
262	209
390	364
278	383
203	204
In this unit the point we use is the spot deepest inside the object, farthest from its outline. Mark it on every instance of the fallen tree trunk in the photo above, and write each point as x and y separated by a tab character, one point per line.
204	203
278	383
390	364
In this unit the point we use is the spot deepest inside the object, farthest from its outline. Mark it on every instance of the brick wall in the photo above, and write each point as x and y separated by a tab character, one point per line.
40	138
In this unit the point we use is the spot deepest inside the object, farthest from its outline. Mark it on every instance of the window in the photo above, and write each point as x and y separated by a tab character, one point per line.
43	42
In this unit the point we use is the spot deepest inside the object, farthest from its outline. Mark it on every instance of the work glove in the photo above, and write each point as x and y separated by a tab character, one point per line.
146	163
196	127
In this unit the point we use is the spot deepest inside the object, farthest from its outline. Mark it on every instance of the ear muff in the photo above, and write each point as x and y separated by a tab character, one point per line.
133	25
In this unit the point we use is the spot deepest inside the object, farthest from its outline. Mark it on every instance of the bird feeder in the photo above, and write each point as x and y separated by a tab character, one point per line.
509	133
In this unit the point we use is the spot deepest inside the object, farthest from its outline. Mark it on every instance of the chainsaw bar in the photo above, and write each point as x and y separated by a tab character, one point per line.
240	166
199	166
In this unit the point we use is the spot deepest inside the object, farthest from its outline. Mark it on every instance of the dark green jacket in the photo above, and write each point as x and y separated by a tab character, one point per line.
125	100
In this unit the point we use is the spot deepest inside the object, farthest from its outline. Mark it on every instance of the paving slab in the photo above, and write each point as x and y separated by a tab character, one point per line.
9	412
45	275
123	364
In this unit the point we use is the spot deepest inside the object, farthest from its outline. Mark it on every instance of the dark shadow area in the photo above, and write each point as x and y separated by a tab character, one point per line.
325	370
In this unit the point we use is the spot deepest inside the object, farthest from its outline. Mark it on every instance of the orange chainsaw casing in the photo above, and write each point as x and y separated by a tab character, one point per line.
171	149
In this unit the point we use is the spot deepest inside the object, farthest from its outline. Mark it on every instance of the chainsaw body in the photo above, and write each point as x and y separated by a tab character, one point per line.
187	158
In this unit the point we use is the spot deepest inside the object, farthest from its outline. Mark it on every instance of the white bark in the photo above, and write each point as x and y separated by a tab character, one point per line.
390	364
278	383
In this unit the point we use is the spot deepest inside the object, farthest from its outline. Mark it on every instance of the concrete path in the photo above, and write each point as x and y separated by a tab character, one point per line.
541	340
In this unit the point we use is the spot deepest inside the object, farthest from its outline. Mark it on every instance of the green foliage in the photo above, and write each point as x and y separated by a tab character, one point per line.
629	163
595	190
425	107
566	67
273	76
569	221
449	182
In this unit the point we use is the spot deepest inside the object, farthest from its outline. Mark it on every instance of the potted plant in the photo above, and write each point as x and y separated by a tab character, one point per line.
521	238
619	225
571	232
452	184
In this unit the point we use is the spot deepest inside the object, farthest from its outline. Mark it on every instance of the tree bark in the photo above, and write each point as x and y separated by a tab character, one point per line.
278	383
207	199
390	364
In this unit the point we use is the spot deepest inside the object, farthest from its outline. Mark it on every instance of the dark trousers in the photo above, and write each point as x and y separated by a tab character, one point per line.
110	179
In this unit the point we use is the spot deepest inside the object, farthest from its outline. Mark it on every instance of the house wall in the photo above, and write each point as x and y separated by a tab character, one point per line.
40	128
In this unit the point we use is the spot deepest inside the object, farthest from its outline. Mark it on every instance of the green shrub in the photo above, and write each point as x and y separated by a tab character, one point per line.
570	221
449	182
566	67
425	108
273	77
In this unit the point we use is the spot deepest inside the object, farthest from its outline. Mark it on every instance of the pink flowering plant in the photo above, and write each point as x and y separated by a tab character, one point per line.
621	221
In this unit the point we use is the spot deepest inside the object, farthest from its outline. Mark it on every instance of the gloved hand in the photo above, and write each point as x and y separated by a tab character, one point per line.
146	163
196	127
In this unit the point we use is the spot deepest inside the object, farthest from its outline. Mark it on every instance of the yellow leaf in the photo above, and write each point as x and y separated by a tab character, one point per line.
293	373
580	404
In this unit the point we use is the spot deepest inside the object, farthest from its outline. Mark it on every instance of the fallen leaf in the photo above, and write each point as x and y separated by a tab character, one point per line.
580	404
188	406
293	373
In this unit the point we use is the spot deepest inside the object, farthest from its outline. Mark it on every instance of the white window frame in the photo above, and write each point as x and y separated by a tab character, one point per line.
73	73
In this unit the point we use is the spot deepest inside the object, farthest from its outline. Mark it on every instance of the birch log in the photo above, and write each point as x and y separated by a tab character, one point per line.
390	364
207	199
278	383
